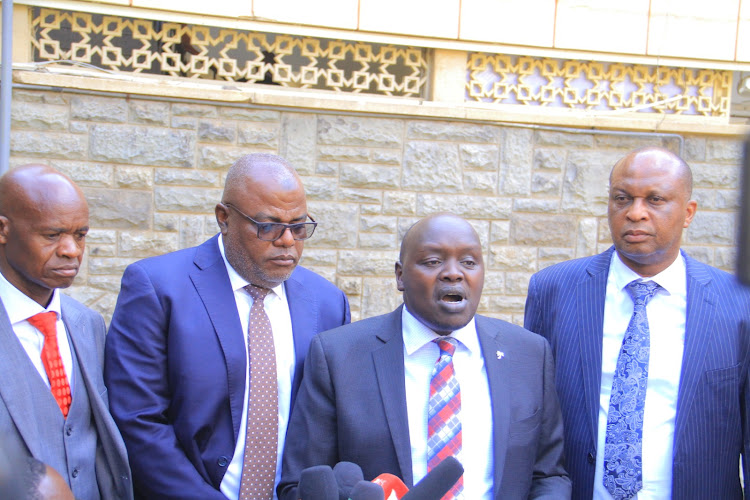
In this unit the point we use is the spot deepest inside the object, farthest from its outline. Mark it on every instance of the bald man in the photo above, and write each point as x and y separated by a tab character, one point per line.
186	324
53	403
365	396
652	349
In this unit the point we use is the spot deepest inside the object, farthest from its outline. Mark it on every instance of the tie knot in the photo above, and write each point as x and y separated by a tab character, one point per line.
45	322
642	291
257	292
447	345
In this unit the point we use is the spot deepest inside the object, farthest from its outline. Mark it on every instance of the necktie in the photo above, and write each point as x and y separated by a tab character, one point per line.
261	439
443	413
623	444
47	324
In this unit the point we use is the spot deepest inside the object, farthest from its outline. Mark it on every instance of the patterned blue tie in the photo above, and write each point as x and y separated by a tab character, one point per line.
623	462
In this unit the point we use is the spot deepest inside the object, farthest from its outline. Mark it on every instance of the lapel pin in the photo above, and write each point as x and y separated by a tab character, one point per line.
500	354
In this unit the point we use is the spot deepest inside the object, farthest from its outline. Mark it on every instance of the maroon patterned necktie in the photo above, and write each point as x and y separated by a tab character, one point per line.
46	323
262	431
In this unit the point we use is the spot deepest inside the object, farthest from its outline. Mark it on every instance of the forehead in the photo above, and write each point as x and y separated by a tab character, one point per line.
68	211
648	173
269	195
444	235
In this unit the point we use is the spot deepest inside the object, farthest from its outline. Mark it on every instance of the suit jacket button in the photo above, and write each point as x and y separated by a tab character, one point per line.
591	458
68	431
75	473
222	461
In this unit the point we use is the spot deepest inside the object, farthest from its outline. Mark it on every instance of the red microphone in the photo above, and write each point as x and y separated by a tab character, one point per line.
393	487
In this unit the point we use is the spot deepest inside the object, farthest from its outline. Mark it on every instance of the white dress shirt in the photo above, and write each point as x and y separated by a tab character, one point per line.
666	319
277	309
420	355
20	307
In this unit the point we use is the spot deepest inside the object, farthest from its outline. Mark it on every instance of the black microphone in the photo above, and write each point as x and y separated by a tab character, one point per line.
365	490
437	482
318	483
347	475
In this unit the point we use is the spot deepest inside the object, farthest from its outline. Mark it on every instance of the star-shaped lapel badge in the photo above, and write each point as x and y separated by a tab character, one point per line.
500	354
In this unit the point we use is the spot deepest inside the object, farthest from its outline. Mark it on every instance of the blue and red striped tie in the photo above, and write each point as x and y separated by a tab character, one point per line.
444	424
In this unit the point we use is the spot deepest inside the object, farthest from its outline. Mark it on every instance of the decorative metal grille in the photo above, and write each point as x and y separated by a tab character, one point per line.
147	46
597	86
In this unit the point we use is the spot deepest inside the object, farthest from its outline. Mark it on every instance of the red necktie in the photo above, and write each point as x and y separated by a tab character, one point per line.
443	412
47	324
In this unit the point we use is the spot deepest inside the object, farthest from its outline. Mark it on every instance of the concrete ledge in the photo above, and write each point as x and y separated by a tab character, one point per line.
320	101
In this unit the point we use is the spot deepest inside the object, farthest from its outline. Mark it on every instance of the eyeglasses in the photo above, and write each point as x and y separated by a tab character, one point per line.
272	231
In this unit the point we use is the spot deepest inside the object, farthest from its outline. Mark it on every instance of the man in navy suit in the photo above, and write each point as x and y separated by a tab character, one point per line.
365	392
177	349
695	415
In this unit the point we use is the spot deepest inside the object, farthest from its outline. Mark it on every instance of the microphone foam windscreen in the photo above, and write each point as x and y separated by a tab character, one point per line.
365	490
437	482
347	475
318	483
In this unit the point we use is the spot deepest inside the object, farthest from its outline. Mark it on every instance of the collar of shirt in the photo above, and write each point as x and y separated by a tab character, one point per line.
20	306
417	335
673	279
238	281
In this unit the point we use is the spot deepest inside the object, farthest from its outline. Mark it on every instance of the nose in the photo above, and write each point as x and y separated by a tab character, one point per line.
70	246
451	271
286	239
637	210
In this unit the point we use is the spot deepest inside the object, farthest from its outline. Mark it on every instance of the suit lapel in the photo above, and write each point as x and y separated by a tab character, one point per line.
112	446
497	376
701	307
14	362
303	309
590	295
389	370
212	284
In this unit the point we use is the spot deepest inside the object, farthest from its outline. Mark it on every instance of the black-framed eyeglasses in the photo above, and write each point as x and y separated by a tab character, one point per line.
272	231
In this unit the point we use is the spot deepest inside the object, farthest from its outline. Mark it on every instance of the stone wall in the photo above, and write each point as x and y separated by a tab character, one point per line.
153	171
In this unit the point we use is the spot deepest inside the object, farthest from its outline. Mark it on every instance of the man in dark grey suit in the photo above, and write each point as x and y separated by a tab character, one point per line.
689	421
366	392
53	403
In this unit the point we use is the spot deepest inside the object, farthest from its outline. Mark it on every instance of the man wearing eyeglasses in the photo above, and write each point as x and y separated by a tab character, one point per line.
204	353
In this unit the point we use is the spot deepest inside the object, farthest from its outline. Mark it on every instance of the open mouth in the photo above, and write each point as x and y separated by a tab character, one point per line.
452	297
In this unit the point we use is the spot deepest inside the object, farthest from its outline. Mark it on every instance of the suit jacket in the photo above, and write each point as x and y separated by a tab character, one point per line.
175	365
19	427
565	304
352	407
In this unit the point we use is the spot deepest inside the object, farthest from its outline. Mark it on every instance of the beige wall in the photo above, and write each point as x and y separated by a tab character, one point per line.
692	29
153	171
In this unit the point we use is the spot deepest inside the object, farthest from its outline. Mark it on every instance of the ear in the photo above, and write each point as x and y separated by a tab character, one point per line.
692	206
221	217
4	229
399	276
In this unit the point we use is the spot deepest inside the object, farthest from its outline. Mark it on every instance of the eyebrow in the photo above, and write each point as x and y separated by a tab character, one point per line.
262	217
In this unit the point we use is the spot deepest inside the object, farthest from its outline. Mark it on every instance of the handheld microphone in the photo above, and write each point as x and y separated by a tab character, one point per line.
365	490
347	475
393	487
318	483
437	482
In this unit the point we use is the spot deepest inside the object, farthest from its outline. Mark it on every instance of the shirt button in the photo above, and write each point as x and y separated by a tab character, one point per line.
75	473
591	458
222	461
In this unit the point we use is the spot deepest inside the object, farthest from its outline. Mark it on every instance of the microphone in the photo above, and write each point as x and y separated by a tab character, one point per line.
365	490
318	483
437	482
393	487
347	475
